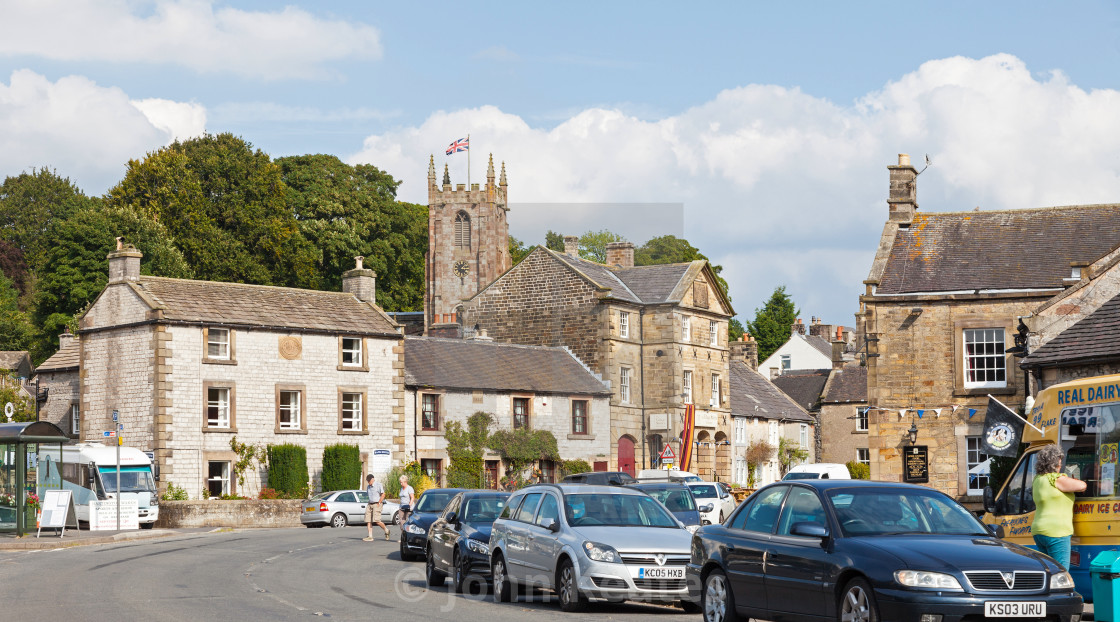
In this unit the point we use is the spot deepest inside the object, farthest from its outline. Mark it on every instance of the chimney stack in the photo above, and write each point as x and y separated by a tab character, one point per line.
797	328
838	354
361	282
620	254
571	246
903	197
745	350
775	372
66	339
124	263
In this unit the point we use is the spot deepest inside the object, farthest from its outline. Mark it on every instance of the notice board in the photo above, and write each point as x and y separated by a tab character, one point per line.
915	464
57	510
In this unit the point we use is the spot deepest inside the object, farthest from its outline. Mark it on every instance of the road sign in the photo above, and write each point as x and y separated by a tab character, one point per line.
667	454
115	415
120	427
109	434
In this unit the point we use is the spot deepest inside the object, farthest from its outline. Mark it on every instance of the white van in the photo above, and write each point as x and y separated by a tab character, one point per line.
819	470
667	475
89	470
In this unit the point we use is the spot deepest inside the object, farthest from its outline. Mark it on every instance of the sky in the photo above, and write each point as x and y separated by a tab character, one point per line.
759	131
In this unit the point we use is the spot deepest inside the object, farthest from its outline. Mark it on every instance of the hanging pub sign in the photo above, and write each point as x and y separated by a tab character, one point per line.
915	464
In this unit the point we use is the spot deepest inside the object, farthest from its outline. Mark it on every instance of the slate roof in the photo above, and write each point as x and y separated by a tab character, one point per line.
847	384
1012	249
11	359
821	344
1095	337
65	359
489	366
803	386
752	395
215	302
642	284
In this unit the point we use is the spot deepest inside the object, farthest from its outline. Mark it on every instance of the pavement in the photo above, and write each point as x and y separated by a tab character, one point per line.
49	539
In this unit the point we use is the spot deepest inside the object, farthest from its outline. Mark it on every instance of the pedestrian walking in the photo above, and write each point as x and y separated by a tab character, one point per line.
376	493
408	498
1053	505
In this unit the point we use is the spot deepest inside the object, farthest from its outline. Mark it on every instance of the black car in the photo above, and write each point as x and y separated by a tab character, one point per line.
414	532
678	499
866	551
600	478
459	540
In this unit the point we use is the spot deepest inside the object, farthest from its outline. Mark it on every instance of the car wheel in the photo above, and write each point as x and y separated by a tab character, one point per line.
434	577
503	589
858	602
717	602
568	590
338	520
459	579
397	518
690	607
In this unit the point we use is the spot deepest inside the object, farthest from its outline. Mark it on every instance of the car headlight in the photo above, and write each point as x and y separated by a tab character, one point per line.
601	552
692	528
1061	581
928	580
416	529
478	547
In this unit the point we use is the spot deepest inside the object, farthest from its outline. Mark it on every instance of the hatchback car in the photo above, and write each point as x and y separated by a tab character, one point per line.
678	499
339	508
414	532
867	551
716	494
583	542
459	540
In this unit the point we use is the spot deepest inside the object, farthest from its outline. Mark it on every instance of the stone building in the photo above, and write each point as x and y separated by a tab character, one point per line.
657	334
58	377
843	415
468	244
189	365
939	313
17	363
535	387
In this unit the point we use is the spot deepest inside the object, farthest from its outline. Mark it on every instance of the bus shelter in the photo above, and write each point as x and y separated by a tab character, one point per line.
22	473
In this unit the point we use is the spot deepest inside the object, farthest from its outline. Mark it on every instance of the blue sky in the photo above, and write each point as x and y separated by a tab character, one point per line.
769	124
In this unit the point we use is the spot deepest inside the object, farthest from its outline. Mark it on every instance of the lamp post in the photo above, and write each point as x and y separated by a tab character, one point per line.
913	432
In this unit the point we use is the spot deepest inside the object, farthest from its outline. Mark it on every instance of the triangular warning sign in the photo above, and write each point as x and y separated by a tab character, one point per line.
667	454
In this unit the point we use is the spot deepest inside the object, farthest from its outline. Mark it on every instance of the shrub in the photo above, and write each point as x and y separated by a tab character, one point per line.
287	470
175	493
465	448
269	493
232	498
859	470
568	467
342	467
393	483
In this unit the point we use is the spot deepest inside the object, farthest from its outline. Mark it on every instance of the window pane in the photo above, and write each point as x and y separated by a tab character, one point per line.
430	416
520	412
803	506
217	343
351	411
764	513
217	407
351	351
289	409
579	417
984	358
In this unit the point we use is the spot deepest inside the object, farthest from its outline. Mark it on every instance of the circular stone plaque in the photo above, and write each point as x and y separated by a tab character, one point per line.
291	348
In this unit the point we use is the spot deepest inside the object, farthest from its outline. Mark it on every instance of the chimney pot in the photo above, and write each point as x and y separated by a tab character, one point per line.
745	350
904	159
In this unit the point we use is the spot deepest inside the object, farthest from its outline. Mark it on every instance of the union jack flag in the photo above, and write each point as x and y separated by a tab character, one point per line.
460	145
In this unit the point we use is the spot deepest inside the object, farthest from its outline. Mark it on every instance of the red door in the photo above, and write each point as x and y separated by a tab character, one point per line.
626	455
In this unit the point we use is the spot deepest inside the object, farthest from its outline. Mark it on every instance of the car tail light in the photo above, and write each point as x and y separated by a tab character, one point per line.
323	507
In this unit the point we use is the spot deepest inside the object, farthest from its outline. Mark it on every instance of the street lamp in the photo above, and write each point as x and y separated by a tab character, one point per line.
913	433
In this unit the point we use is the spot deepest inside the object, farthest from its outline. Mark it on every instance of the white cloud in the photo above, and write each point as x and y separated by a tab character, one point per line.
85	131
269	45
783	187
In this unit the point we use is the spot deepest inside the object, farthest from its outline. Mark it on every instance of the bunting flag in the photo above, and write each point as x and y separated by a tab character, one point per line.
1003	430
971	412
686	436
937	412
901	413
920	413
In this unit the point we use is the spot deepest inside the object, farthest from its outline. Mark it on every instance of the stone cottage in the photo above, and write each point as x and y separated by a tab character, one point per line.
59	379
189	365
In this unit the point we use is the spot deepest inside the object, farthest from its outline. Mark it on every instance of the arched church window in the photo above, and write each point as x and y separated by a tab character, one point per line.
462	230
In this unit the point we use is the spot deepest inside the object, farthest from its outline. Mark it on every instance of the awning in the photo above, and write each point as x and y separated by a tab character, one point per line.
32	432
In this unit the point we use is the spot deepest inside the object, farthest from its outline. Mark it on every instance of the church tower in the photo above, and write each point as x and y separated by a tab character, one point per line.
468	244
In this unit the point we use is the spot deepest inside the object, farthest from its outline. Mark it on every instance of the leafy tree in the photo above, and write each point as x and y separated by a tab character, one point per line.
30	203
465	448
789	454
14	267
518	250
593	244
522	447
345	211
9	393
735	329
671	249
554	241
771	325
15	326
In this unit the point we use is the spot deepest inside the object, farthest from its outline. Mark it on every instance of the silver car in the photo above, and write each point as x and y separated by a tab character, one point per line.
339	508
583	542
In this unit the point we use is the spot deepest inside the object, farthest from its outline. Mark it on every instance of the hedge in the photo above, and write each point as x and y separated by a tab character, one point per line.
342	467
287	470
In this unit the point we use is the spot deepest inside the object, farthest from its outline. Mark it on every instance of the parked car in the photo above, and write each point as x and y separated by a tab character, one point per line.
667	475
600	478
414	532
678	499
857	550
339	508
459	540
581	541
716	495
819	470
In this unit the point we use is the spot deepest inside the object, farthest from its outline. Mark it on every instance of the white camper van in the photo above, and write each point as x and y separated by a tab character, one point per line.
90	471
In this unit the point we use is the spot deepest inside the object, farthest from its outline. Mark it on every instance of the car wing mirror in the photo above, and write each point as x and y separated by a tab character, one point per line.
707	507
998	531
989	500
809	530
552	525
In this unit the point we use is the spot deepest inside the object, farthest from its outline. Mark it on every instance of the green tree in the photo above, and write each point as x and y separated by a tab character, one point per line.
522	447
771	325
789	454
345	211
342	467
465	448
518	250
30	203
10	394
735	329
593	244
15	326
14	267
554	241
671	249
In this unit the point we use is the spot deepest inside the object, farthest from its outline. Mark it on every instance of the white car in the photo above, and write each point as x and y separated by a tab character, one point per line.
712	493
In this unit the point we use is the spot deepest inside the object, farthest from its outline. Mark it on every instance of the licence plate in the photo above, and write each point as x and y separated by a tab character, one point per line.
660	572
1019	609
309	509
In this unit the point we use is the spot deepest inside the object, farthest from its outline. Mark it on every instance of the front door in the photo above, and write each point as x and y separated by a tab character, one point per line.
626	455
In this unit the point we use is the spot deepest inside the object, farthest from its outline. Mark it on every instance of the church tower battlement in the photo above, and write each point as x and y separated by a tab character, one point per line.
468	242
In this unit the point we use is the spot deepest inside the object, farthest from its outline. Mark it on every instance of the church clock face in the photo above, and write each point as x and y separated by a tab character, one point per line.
461	268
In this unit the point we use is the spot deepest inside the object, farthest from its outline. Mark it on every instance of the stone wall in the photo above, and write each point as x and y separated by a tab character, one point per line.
63	390
838	429
249	513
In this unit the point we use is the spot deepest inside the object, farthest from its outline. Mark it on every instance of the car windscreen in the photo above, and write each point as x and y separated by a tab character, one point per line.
433	502
707	491
676	499
802	475
482	510
616	510
885	511
133	479
322	495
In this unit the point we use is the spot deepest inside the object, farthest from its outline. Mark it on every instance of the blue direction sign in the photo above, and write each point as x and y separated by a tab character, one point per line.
109	434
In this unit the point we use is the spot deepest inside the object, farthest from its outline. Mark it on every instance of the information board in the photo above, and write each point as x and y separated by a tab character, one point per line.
381	462
915	464
103	514
57	511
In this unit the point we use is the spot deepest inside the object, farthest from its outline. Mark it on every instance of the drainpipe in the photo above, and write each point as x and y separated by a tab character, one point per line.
642	378
415	428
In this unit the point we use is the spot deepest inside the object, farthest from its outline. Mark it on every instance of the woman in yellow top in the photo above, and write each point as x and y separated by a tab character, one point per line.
1053	505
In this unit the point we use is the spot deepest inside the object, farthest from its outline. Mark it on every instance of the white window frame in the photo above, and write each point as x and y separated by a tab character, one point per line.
713	333
624	324
222	345
223	478
991	343
686	386
861	420
740	430
863	455
974	455
803	436
786	362
75	420
352	356
624	385
294	410
713	401
221	402
773	433
352	411
686	328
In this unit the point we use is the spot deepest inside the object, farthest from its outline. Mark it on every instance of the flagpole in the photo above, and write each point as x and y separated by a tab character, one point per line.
468	161
1017	415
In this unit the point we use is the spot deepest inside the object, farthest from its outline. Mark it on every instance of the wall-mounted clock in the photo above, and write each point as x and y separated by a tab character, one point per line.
461	268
